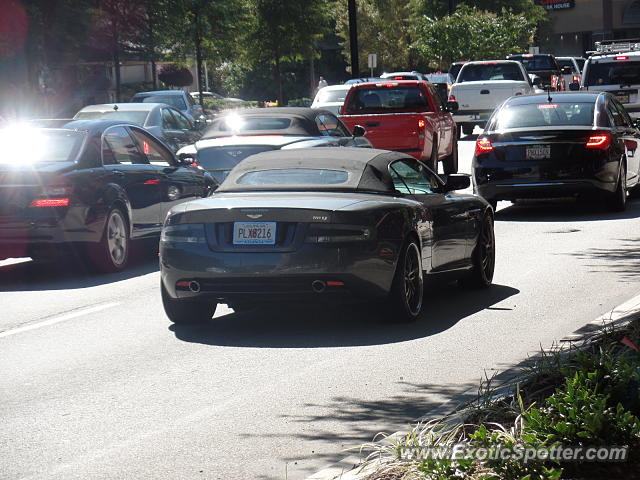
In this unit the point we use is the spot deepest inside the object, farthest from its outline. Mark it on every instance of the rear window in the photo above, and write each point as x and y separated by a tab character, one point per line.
134	117
328	96
173	100
387	99
623	72
566	63
536	63
490	71
544	115
439	78
294	176
238	123
43	145
220	160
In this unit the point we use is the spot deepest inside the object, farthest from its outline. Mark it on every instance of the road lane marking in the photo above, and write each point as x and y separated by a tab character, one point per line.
61	318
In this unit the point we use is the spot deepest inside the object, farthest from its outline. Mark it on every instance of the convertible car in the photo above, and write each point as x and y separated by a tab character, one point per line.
324	224
240	133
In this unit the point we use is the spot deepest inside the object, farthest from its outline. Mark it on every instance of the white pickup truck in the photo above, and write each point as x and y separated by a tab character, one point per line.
482	86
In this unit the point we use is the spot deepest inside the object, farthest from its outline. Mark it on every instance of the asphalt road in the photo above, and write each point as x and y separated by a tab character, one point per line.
96	383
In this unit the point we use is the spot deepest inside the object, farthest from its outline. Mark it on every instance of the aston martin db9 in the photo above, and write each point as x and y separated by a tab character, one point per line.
324	224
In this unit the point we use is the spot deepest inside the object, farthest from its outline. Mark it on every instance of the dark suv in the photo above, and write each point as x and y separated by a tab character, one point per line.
545	66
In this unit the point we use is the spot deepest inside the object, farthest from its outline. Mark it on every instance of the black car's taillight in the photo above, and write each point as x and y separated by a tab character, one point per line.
335	233
54	195
600	141
483	145
183	233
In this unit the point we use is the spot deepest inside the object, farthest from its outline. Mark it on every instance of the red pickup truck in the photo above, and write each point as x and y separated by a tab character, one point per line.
406	116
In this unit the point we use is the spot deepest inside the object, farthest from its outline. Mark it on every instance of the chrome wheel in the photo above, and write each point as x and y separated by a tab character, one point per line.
413	281
117	238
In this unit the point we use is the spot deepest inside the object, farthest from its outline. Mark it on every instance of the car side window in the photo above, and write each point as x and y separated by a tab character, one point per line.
616	115
411	177
168	121
118	148
623	114
182	121
436	97
330	126
154	151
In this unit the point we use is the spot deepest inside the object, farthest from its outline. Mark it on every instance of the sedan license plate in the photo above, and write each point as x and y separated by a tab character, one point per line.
622	98
254	233
538	152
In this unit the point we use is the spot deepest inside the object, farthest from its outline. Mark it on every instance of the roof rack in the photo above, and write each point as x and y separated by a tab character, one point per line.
616	46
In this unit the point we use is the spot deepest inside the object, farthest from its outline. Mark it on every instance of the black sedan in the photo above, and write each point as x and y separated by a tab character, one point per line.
324	224
92	185
561	145
238	134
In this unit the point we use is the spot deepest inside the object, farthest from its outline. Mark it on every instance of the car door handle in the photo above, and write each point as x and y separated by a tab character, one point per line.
118	173
372	124
168	170
484	92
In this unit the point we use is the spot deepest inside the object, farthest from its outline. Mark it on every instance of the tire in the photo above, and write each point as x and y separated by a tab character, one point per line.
407	291
450	162
467	128
186	311
483	257
111	254
432	162
617	201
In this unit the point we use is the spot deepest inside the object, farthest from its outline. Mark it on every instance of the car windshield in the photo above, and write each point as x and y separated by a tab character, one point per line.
139	117
328	96
173	100
534	63
544	115
294	176
387	98
490	72
43	145
220	160
613	73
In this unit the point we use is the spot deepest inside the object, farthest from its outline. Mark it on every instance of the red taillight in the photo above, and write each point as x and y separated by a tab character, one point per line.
335	284
483	145
421	123
576	79
50	202
600	141
452	98
622	58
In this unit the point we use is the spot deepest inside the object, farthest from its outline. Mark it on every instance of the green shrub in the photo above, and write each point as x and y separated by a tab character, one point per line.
300	102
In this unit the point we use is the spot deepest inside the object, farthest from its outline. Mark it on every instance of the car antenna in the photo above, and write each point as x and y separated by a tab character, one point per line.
549	99
115	107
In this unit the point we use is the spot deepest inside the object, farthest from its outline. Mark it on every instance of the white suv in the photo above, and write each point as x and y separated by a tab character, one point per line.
615	68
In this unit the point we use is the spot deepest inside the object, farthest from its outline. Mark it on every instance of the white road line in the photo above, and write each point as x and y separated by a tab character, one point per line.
61	318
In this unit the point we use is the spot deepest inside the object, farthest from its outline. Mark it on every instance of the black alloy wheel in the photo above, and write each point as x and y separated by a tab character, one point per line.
186	311
407	291
617	201
483	257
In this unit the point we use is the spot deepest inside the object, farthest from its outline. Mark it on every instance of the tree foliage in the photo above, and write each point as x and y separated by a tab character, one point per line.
176	76
472	34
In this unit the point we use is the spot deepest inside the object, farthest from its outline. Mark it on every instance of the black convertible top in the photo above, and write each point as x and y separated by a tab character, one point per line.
302	122
367	168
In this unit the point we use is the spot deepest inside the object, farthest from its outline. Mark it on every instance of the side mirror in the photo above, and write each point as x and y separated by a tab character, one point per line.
456	181
186	158
451	107
567	70
574	86
359	131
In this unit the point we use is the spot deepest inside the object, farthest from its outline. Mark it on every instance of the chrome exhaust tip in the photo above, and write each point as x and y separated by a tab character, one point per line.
318	286
194	286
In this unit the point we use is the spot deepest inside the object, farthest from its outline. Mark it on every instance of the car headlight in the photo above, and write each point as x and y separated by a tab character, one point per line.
184	233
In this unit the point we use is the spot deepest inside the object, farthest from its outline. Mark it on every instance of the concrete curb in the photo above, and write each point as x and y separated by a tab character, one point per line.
350	467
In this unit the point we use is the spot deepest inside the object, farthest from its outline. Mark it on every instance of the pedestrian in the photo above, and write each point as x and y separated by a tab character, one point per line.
322	83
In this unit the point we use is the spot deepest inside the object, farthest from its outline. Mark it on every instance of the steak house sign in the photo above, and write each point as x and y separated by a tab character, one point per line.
556	4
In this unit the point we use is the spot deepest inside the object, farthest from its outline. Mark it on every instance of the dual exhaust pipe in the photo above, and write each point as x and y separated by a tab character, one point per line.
318	286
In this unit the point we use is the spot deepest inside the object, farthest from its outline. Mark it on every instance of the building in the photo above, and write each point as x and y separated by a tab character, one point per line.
575	25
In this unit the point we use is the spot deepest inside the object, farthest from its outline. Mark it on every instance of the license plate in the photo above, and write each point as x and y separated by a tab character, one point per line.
254	233
538	152
623	98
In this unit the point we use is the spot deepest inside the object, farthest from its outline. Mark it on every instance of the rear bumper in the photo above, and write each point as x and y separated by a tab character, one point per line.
235	277
20	236
519	189
476	117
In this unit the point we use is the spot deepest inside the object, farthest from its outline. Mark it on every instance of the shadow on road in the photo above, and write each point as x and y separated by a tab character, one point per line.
69	273
623	259
563	210
340	326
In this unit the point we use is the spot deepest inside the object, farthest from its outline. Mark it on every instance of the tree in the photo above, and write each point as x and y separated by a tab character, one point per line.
285	30
176	76
472	34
